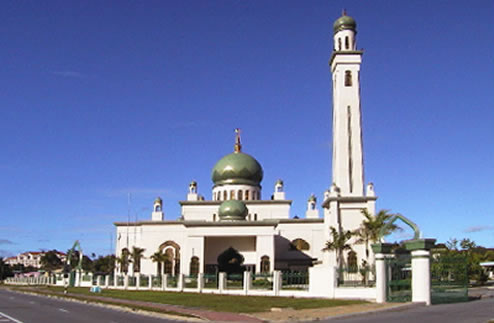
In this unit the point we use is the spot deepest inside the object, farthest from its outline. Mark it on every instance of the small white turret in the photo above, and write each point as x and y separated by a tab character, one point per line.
279	193
158	214
192	195
312	211
370	189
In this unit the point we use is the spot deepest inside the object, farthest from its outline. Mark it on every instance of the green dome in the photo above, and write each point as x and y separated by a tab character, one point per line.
232	210
237	168
344	22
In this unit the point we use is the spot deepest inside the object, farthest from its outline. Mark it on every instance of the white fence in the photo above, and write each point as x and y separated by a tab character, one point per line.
272	284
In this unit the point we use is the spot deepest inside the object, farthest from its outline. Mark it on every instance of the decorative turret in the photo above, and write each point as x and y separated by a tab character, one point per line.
279	193
312	211
158	214
192	195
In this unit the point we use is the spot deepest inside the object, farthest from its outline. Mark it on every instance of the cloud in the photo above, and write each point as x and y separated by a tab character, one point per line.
478	228
70	74
5	241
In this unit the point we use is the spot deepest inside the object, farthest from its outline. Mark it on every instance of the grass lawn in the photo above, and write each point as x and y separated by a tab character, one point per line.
220	303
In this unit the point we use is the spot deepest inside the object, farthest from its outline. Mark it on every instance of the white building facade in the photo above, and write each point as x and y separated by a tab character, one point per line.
262	230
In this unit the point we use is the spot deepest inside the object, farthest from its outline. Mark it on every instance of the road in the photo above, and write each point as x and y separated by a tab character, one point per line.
23	308
480	311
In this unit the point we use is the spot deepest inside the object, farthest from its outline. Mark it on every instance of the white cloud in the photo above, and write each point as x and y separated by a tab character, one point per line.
478	228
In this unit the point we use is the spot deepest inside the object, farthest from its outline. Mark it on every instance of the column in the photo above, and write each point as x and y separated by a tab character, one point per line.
381	252
421	269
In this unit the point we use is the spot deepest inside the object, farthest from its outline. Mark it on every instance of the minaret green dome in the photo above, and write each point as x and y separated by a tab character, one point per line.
232	210
237	168
344	22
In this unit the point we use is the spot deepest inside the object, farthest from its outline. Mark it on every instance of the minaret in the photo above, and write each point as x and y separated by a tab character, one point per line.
348	168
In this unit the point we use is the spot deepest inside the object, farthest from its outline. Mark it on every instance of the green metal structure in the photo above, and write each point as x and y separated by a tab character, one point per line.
78	267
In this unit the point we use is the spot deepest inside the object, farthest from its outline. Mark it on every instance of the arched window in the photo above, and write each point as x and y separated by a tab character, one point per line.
246	195
240	195
351	261
347	43
157	208
348	78
194	265
299	244
225	196
214	217
232	194
265	264
169	261
255	216
339	43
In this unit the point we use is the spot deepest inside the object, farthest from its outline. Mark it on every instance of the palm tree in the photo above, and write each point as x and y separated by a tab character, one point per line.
159	258
136	256
124	260
339	243
371	227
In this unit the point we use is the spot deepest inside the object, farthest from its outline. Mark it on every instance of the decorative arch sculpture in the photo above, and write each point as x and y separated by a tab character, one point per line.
405	220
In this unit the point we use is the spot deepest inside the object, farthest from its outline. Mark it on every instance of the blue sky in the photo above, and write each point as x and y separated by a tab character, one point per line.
102	99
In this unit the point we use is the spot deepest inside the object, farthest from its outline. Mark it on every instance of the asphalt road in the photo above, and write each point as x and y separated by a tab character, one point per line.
480	311
22	308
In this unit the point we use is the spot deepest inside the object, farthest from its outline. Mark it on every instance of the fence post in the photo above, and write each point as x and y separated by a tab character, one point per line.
200	282
221	282
126	281
180	283
277	281
138	281
107	281
247	281
164	281
150	282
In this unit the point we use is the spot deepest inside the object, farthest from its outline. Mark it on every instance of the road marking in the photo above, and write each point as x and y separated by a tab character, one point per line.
63	310
10	318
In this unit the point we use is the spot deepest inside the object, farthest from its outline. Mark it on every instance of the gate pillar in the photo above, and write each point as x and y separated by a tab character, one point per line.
381	252
421	269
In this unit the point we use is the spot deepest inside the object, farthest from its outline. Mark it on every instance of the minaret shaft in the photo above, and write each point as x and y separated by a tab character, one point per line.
348	166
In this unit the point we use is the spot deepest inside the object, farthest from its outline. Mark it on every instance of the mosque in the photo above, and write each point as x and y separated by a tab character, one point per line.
261	230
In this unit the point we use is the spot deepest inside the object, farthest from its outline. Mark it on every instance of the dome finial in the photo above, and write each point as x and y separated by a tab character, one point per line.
238	145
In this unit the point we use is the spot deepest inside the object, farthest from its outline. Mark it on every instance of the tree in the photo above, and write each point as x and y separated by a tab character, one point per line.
50	261
339	244
5	270
124	260
136	255
231	261
104	264
370	229
159	258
